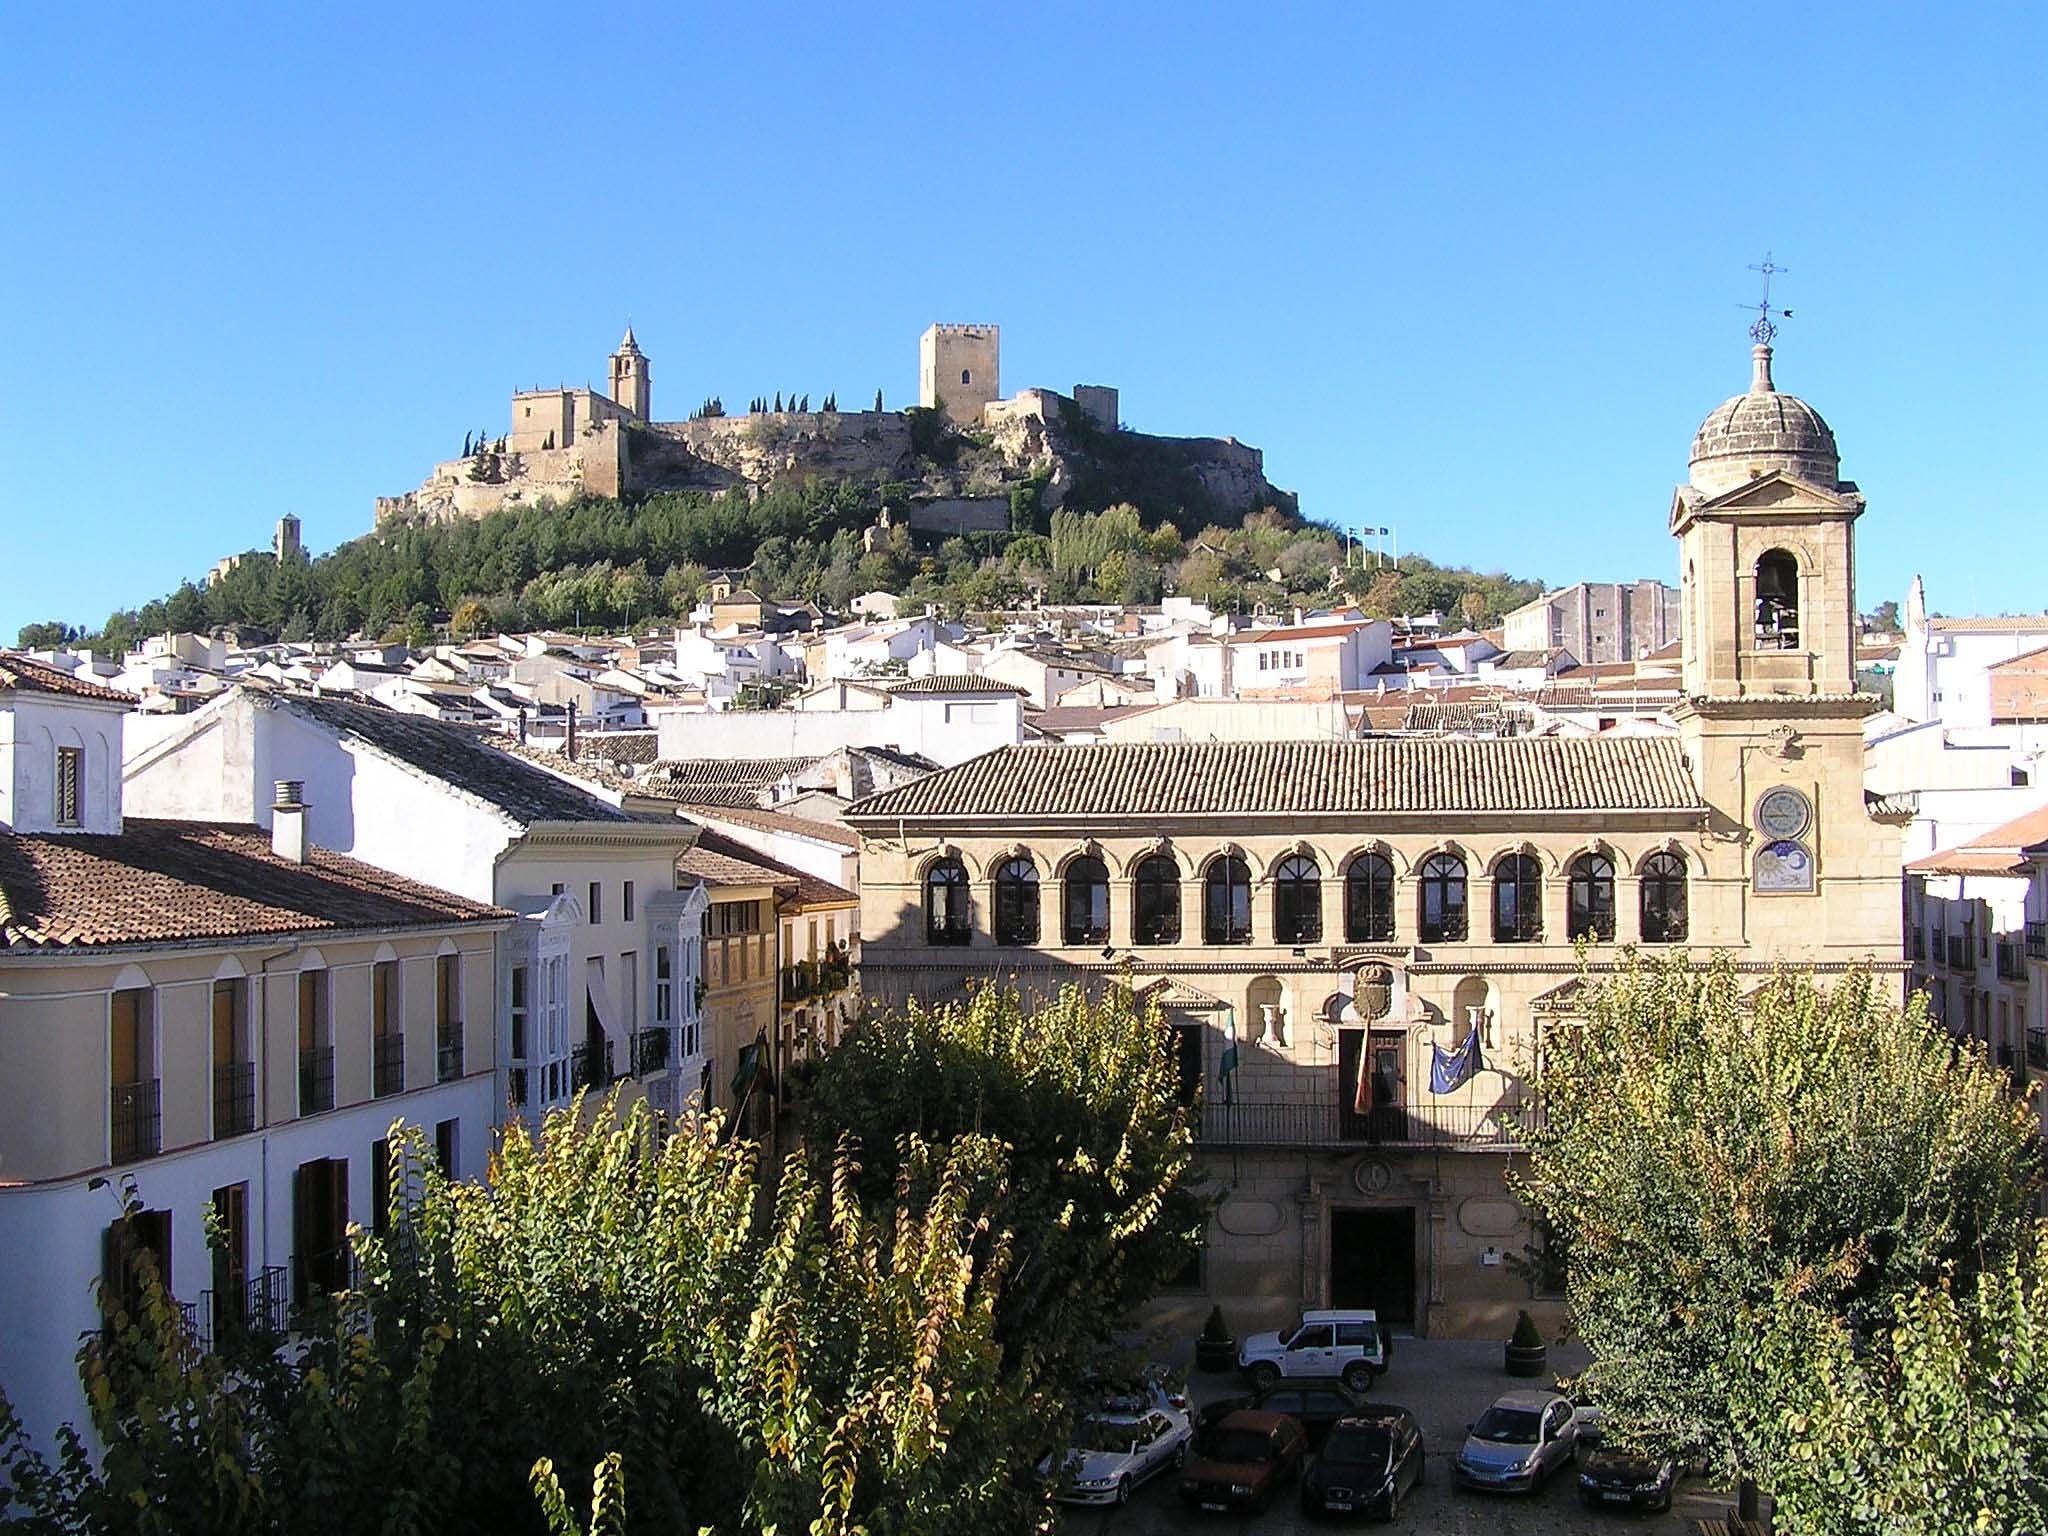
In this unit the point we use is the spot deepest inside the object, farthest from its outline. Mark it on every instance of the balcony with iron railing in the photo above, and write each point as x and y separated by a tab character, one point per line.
809	979
259	1308
590	1066
648	1050
136	1120
2037	941
234	1099
316	1080
321	1272
2012	964
448	1053
1329	1122
1959	956
390	1065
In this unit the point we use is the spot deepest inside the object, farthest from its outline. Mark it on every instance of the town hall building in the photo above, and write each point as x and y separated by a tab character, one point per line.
1333	910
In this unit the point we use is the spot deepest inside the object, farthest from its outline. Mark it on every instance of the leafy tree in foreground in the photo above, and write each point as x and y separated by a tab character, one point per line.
1095	1182
1715	1161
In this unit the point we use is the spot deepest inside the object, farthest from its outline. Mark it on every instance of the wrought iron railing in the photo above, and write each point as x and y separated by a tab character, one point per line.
390	1065
515	1086
448	1054
2012	965
590	1065
137	1120
649	1049
234	1098
1329	1122
2037	940
259	1307
316	1080
2037	1049
322	1272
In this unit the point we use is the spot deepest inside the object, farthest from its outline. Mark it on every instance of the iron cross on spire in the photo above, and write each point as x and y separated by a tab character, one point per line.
1763	330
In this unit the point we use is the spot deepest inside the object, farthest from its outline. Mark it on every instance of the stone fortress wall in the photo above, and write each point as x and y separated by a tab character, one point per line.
564	443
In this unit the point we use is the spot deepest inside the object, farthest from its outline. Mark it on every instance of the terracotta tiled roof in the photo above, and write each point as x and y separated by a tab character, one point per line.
807	888
31	676
2001	624
173	882
1328	629
458	756
1378	775
969	682
778	821
1966	861
718	780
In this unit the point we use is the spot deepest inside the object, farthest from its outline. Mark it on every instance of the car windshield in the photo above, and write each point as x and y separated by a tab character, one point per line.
1360	1447
1237	1445
1104	1435
1508	1426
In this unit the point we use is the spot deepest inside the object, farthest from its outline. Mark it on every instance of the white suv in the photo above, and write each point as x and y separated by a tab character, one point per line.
1347	1344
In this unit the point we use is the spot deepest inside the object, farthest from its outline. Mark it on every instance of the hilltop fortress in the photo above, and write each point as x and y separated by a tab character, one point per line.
566	443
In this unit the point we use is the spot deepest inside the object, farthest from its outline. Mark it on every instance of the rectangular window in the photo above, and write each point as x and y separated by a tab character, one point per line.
380	1188
320	1251
387	1030
448	1147
448	1064
596	901
135	1108
664	986
519	1013
557	888
629	989
70	786
234	1074
626	902
228	1311
122	1249
316	1045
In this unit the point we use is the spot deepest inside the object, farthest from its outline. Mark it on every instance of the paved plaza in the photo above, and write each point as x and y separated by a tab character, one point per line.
1447	1383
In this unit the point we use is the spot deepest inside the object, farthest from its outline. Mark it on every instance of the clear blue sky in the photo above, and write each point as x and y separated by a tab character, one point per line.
1473	271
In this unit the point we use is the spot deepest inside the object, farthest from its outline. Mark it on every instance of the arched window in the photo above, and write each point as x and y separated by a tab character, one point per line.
1086	919
1664	916
1592	897
945	903
1017	902
1369	900
1156	901
1777	602
1517	900
1443	898
1227	902
1297	901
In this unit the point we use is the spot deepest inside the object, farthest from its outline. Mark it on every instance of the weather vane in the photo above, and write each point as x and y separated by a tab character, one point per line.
1762	332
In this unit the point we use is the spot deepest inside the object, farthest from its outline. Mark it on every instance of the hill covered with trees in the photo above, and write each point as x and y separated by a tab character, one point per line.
608	563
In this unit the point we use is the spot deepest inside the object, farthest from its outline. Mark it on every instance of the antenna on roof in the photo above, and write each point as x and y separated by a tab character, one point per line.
1763	330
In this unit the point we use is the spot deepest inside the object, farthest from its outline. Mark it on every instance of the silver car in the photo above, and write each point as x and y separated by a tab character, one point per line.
1518	1443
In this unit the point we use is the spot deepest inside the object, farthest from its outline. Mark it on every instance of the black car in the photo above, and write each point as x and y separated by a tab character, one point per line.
1612	1478
1315	1405
1367	1463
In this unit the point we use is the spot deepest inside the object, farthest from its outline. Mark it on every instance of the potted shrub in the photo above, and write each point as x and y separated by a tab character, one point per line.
1215	1349
1527	1354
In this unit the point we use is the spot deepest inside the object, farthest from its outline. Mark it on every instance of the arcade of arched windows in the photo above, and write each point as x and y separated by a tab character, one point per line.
1446	895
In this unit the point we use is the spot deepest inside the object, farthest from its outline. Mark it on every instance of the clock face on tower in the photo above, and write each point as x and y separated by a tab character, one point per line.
1783	814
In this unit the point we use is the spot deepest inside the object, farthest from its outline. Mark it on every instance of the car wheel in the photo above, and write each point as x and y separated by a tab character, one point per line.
1358	1377
1265	1376
1123	1490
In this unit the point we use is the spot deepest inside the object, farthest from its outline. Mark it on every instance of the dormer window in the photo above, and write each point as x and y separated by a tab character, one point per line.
70	786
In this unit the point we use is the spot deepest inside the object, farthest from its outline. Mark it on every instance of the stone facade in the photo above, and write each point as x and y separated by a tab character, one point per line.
959	369
1756	821
1597	621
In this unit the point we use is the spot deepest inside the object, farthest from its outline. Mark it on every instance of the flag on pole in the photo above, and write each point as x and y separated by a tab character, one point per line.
1227	1067
1450	1070
1361	1091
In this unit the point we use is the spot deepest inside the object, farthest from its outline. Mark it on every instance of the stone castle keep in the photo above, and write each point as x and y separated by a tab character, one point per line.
564	443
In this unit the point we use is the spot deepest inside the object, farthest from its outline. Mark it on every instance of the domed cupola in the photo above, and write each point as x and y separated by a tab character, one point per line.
1755	433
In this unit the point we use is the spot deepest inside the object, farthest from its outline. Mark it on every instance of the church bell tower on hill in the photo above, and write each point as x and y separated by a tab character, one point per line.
632	387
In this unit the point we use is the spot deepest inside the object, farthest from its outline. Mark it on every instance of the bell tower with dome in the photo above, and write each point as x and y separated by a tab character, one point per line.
1771	719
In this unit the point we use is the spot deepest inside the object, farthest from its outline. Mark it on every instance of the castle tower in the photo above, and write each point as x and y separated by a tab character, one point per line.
632	385
285	544
1771	719
959	369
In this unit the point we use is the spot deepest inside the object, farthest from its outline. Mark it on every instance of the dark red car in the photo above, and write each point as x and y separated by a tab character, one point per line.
1243	1460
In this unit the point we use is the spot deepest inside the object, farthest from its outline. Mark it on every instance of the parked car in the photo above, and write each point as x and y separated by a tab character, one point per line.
1518	1443
1613	1478
1366	1465
1133	1391
1112	1453
1315	1405
1347	1345
1243	1461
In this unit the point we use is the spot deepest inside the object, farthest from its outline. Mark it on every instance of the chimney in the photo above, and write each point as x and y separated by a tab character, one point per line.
288	821
572	731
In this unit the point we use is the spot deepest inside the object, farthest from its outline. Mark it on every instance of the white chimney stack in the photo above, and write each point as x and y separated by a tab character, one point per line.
288	821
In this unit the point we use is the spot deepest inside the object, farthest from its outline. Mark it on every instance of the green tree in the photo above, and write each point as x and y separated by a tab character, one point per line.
1706	1154
51	634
